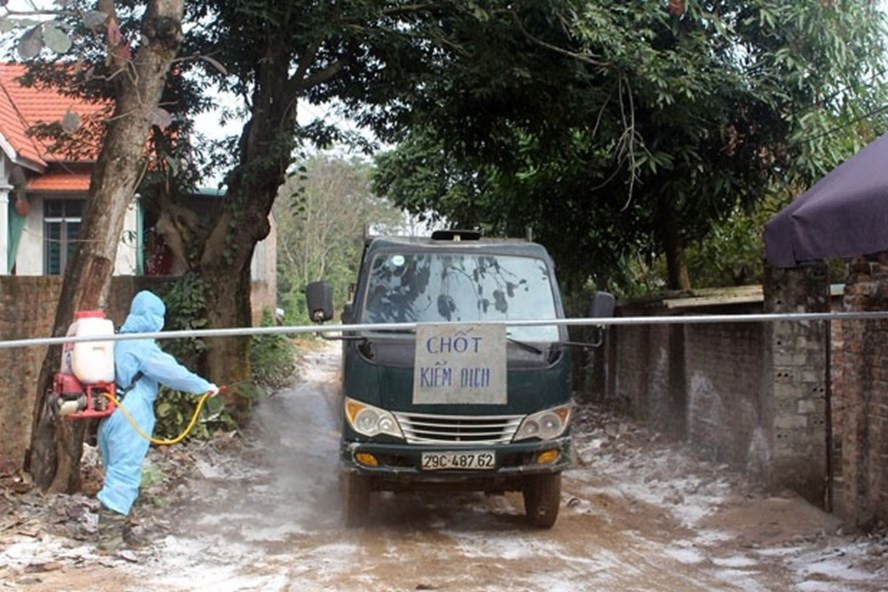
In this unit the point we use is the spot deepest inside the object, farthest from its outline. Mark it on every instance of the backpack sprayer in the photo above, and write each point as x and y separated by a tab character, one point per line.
84	386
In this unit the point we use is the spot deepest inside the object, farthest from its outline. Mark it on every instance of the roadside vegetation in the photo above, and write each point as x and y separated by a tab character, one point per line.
323	213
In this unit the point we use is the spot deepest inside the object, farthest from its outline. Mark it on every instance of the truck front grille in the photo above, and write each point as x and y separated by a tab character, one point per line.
420	428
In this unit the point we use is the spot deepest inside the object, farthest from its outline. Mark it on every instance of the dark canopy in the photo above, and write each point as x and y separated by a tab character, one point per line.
845	214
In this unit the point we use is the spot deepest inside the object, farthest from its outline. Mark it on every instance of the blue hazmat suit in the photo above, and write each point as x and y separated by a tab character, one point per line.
121	447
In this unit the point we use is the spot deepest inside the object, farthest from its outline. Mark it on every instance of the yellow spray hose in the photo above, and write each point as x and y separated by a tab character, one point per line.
162	442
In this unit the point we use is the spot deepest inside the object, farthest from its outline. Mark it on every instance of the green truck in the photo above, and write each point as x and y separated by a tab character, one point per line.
454	381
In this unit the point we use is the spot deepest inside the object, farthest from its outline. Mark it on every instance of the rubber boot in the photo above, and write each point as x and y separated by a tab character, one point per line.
110	529
133	539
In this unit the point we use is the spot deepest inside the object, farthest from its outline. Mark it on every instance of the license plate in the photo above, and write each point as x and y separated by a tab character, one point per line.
463	461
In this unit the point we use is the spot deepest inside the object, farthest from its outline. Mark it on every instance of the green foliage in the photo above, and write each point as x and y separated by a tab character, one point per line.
151	475
175	409
322	213
186	310
640	277
72	52
155	483
272	357
622	132
731	254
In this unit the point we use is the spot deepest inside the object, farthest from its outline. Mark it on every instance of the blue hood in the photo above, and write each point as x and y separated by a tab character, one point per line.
146	314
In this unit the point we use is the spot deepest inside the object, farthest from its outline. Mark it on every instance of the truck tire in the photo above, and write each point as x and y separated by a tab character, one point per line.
355	499
542	499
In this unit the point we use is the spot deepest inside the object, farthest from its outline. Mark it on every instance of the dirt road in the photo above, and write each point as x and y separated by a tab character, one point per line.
637	514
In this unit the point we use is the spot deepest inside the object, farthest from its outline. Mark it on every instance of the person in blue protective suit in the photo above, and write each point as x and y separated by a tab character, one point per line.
140	367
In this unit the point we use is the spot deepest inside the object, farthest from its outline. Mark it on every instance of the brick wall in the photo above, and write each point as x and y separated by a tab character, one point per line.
863	374
702	383
27	311
725	410
649	377
798	405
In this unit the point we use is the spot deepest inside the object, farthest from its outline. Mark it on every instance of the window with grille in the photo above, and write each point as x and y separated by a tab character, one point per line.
61	227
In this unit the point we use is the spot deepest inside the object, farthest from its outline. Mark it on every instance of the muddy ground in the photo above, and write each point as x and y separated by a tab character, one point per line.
259	511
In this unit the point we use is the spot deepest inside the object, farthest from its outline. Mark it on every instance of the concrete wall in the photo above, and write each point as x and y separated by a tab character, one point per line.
797	369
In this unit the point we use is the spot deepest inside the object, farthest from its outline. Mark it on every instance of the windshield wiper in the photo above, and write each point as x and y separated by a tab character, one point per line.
393	331
526	346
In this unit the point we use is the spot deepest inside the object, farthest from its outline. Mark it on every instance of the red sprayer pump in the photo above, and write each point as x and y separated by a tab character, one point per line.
84	386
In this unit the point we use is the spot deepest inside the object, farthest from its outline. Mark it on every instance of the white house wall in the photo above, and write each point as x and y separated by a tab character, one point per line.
127	249
5	189
263	272
29	259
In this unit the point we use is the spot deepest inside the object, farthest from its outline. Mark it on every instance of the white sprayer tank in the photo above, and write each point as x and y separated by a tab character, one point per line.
91	362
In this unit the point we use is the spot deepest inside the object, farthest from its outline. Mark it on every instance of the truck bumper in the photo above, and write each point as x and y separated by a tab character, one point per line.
399	466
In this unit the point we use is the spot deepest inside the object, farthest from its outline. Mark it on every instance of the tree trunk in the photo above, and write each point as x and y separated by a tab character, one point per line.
265	152
54	455
228	305
673	247
225	270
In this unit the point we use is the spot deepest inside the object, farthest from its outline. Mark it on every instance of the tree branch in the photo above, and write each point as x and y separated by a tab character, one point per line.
587	59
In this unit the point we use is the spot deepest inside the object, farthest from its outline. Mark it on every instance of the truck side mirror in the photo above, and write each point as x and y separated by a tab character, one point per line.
319	297
602	305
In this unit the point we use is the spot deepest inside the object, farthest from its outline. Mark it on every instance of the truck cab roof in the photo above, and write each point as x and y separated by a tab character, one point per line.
458	239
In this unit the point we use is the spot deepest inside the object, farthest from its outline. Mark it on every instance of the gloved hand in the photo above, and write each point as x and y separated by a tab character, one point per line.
213	390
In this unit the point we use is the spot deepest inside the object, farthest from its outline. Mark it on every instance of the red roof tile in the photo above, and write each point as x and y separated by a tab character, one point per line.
60	181
22	107
13	126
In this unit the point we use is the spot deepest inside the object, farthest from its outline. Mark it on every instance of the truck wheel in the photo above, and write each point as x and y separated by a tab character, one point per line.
542	499
355	498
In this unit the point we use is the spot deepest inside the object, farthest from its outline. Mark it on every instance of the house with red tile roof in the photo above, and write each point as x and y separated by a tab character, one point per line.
43	190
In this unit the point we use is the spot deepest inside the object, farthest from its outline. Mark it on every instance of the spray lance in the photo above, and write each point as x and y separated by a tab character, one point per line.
180	437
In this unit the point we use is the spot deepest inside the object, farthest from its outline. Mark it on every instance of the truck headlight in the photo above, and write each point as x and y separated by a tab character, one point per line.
544	425
369	420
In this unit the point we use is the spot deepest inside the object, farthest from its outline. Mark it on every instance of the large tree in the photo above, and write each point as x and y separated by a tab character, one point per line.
616	128
135	63
271	56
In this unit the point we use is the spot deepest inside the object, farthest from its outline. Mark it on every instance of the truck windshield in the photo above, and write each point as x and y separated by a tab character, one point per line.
461	287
